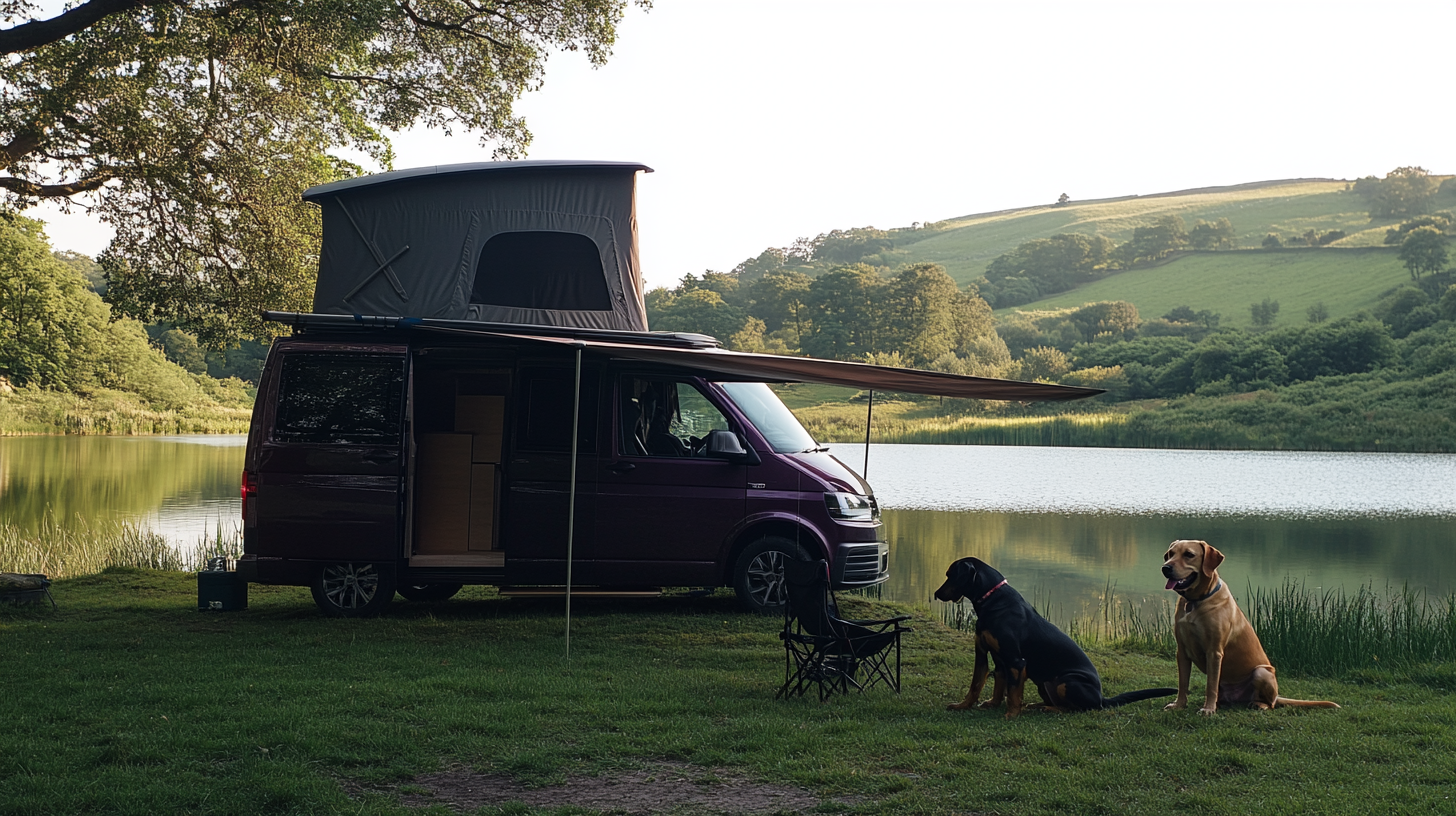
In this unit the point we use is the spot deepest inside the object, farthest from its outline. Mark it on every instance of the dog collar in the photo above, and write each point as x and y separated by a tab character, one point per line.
1211	593
983	598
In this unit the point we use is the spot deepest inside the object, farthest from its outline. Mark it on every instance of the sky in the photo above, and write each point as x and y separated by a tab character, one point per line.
768	121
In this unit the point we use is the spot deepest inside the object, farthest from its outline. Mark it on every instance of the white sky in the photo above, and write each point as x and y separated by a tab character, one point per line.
766	121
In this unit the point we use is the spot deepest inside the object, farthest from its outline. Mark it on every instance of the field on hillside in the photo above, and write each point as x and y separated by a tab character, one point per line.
1255	210
1226	283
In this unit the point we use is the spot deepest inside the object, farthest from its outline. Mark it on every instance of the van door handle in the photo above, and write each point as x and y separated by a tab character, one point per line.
621	467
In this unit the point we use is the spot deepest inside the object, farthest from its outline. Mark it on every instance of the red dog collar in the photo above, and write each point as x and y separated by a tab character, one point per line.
989	591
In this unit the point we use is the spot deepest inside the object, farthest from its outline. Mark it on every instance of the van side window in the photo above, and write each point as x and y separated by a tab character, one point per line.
666	418
340	400
545	421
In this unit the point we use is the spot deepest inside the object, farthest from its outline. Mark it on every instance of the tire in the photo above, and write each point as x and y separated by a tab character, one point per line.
758	575
353	590
427	592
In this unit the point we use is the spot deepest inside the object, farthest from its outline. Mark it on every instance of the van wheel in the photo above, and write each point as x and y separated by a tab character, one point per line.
758	577
350	590
428	592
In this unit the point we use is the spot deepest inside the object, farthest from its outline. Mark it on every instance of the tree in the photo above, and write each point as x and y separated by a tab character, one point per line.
52	325
843	304
1264	312
1212	235
1318	313
1164	236
1063	200
1404	191
1044	364
1423	250
919	314
778	300
1271	241
191	126
849	246
1441	221
698	310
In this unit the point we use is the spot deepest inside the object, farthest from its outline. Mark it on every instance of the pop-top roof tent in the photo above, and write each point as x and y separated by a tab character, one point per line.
548	243
542	251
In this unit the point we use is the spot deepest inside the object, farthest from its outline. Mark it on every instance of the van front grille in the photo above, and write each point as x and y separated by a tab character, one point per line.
864	564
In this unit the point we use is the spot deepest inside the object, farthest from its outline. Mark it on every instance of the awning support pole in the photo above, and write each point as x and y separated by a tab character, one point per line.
869	418
571	500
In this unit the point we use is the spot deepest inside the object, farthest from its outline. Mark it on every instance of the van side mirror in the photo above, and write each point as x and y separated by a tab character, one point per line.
726	445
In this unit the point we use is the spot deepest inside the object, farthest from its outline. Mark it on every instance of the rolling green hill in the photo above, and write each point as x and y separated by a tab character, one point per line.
1226	283
965	245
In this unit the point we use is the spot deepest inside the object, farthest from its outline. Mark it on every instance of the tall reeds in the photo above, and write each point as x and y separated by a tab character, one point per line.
82	548
1332	631
1309	632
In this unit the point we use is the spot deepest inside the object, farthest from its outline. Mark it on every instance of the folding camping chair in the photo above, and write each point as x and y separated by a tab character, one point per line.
826	651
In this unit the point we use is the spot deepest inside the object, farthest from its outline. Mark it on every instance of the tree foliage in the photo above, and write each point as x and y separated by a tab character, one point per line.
1423	250
192	126
57	334
1404	191
1212	235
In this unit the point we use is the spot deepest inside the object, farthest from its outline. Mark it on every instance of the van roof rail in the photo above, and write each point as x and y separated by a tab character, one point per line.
336	322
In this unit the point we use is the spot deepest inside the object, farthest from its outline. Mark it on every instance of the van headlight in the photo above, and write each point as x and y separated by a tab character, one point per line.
852	506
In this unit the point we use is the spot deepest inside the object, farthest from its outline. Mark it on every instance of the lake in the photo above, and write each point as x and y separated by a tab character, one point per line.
1062	524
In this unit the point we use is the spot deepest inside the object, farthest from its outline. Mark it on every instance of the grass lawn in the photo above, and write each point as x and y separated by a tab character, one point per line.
1288	208
128	700
1344	280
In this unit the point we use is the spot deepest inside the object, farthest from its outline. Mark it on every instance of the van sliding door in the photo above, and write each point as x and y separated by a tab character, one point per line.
330	470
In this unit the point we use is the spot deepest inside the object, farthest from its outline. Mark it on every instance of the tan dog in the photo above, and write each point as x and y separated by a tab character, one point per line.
1214	635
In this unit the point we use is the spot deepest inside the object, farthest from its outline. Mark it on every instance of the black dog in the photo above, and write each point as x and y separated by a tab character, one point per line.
1025	646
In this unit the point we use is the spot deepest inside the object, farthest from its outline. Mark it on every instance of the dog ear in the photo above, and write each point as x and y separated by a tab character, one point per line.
1211	559
963	571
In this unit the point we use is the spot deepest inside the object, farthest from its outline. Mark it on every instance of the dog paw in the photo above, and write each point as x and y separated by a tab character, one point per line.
988	704
1208	711
1175	706
957	707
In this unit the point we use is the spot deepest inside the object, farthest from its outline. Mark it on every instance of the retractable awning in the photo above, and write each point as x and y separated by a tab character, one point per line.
720	362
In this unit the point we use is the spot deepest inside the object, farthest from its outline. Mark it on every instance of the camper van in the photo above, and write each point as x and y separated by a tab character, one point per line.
476	399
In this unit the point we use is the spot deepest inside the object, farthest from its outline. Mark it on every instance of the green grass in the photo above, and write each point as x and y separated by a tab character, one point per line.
1255	210
128	700
1345	280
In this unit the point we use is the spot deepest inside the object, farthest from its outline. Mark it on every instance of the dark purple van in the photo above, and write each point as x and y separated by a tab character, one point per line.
423	465
415	434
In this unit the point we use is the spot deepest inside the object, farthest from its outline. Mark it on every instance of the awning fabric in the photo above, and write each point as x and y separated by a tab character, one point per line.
711	362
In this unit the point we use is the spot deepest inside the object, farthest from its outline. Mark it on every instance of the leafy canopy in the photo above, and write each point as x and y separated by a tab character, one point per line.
192	126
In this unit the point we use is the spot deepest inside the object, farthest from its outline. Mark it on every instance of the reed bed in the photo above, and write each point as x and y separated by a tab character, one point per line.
1328	633
84	548
49	412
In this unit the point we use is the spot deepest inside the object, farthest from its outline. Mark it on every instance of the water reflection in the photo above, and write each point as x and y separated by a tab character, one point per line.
1065	523
1061	523
180	486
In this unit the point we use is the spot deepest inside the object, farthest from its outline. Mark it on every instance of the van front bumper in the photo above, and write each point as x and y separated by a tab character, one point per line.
860	565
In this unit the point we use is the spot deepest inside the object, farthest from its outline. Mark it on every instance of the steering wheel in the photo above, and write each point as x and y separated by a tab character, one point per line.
697	446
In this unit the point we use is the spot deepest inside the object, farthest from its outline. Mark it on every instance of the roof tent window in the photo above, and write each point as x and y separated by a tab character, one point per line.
541	270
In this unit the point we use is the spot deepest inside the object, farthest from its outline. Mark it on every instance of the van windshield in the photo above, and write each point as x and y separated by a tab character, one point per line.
772	418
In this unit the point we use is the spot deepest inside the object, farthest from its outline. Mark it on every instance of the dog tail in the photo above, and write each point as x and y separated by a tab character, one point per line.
1133	696
1285	701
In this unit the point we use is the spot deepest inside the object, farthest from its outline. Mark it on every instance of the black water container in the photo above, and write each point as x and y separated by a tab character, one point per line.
219	589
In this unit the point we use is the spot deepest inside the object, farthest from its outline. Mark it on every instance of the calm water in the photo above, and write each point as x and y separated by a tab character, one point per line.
1064	523
180	486
1061	523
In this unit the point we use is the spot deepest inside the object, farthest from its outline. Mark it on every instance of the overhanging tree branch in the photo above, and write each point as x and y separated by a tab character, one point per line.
35	34
25	187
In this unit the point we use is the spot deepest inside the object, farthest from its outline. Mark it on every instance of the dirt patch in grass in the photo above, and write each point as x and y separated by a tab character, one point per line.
674	788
